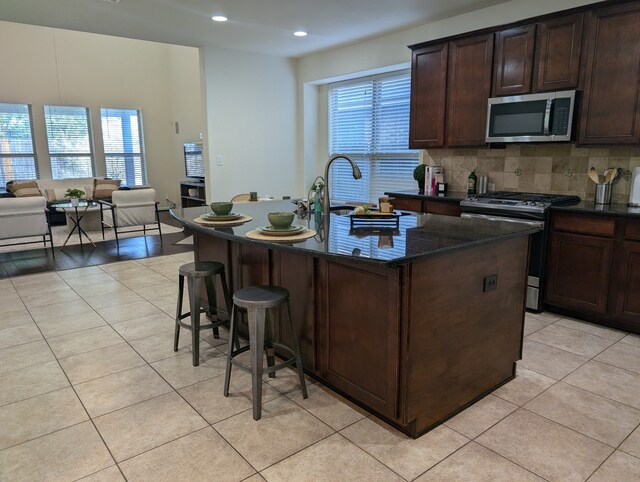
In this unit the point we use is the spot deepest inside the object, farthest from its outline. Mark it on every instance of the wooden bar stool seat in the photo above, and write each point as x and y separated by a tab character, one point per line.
195	273
257	300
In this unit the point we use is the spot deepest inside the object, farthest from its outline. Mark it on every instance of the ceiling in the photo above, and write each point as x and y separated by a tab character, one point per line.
261	26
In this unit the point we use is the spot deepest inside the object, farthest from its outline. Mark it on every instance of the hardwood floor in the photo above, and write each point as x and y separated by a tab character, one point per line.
75	256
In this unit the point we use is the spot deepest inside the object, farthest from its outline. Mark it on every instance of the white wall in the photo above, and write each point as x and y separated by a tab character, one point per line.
52	66
251	123
388	51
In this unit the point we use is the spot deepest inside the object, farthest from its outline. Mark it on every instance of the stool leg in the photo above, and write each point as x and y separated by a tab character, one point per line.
178	312
227	300
256	343
213	304
194	308
296	350
232	335
268	343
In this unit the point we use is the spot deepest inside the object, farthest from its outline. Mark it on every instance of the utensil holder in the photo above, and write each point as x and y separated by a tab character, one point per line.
603	194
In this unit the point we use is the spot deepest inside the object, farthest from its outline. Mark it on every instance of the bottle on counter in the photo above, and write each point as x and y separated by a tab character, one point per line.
472	182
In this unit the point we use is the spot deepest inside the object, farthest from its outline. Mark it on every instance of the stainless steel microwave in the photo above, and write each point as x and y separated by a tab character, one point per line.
544	117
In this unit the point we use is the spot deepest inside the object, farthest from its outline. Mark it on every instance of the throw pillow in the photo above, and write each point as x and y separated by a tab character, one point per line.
25	189
103	188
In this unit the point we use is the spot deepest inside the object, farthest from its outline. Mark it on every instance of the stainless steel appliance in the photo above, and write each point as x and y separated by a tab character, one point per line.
527	208
546	117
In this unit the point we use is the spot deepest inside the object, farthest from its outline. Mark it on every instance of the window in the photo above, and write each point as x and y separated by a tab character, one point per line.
17	148
124	145
70	141
369	121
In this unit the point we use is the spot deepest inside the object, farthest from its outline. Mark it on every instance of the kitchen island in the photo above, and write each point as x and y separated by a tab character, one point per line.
406	321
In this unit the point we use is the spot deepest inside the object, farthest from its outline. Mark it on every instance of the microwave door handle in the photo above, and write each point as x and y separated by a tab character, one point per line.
547	116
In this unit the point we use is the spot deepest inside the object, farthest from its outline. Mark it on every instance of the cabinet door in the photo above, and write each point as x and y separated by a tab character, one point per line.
558	46
358	332
514	60
627	295
428	94
578	273
468	89
610	110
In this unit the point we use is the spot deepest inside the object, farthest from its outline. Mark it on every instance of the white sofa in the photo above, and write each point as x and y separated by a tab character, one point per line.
54	189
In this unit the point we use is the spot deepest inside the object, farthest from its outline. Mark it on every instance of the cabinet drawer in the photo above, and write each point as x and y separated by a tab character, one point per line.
632	230
584	224
408	204
443	207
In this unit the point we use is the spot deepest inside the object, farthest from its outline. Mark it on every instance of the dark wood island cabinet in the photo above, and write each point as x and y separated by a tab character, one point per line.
405	327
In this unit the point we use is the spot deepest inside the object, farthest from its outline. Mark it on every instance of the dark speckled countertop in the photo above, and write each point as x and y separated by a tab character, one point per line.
419	235
449	196
589	207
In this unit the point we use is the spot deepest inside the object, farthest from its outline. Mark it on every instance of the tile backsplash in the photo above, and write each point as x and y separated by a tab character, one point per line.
550	168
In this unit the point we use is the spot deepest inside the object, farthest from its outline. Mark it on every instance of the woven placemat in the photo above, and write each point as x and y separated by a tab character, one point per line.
223	224
305	234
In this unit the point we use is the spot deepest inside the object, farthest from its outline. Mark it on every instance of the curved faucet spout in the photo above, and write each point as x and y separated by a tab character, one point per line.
325	198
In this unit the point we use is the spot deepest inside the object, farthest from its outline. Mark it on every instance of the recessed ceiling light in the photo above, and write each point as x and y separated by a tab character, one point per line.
219	18
300	33
111	1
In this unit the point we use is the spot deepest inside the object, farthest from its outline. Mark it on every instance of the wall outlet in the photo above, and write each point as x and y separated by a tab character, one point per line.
218	160
490	283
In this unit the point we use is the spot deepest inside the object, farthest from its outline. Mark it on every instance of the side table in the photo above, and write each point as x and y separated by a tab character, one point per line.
75	213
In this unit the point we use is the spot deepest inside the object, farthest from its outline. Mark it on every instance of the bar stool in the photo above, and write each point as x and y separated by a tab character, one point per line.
257	300
195	273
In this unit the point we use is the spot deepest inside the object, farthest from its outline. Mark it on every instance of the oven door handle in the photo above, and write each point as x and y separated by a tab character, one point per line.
536	224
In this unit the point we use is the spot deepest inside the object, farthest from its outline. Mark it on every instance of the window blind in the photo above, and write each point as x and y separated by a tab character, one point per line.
369	121
122	135
70	141
17	147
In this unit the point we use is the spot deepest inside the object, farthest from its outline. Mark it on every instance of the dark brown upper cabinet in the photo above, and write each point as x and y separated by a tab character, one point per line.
610	108
468	88
450	85
514	60
428	96
557	53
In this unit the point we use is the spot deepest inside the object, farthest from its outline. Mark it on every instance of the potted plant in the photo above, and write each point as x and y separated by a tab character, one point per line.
418	175
74	195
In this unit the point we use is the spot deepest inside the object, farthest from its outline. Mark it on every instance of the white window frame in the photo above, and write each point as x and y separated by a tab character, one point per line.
86	154
137	176
10	161
381	151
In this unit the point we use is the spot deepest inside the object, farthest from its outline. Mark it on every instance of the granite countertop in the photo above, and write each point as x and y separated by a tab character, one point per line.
419	235
449	196
589	207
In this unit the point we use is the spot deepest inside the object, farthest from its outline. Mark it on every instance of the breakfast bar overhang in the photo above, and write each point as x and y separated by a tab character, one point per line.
406	322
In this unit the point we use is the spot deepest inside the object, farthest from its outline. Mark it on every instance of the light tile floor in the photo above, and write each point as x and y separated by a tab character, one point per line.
91	389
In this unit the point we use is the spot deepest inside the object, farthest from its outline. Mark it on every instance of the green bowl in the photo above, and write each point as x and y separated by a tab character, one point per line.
280	220
222	207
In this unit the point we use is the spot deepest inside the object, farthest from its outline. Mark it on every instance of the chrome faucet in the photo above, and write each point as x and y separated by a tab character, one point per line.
325	198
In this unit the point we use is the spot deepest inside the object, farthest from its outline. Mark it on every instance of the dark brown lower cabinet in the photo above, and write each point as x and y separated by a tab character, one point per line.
430	205
594	269
579	271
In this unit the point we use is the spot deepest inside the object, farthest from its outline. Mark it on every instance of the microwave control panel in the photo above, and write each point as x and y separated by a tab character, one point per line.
561	120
